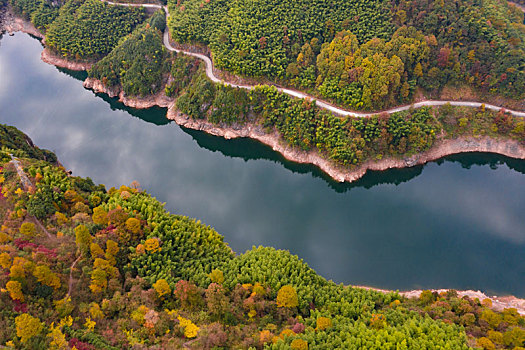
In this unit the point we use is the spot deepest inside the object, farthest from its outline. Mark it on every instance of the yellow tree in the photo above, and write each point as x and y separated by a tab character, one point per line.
133	225
216	276
99	280
83	238
323	323
27	229
27	327
58	339
5	260
287	297
96	251
15	290
111	251
162	287
19	267
61	218
45	276
100	216
152	245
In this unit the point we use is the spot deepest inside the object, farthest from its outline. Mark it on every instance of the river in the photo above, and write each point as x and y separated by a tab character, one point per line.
456	223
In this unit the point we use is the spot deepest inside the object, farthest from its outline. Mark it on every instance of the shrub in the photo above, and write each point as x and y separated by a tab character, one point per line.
216	276
323	323
485	343
27	229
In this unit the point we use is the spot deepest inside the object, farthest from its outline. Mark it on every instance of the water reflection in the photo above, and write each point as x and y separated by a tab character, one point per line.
454	223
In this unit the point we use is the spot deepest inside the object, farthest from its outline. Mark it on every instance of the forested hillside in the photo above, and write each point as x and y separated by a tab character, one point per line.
90	28
363	54
352	70
140	67
346	141
139	63
90	268
41	12
12	138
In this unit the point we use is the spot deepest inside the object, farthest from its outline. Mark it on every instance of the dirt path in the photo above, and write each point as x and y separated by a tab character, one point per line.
298	94
70	282
27	184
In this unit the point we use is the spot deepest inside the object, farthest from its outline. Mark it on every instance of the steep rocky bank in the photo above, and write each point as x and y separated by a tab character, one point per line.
55	60
11	24
160	99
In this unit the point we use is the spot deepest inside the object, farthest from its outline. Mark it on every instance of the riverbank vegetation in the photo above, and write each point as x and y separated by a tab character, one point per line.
366	55
347	141
140	66
90	268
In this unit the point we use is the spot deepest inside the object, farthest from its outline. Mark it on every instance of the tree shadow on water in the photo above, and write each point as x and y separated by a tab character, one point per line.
249	149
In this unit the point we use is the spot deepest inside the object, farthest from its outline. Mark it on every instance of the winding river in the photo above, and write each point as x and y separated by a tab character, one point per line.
455	223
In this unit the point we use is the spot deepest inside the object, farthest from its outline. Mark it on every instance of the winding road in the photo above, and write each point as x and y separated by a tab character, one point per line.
298	94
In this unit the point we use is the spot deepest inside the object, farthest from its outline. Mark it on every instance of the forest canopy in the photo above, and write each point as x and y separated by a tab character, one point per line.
91	28
363	54
139	62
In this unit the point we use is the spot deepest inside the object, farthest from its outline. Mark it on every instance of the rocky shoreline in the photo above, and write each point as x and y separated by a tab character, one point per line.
498	303
11	24
52	59
159	100
441	148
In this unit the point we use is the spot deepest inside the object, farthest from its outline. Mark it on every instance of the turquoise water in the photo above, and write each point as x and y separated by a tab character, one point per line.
455	223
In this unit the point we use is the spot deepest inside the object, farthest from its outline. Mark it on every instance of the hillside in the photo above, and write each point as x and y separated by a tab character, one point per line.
363	54
91	268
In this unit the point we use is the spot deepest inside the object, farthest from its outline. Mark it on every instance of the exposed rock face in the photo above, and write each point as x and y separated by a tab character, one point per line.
99	87
443	148
498	303
12	24
160	99
53	59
